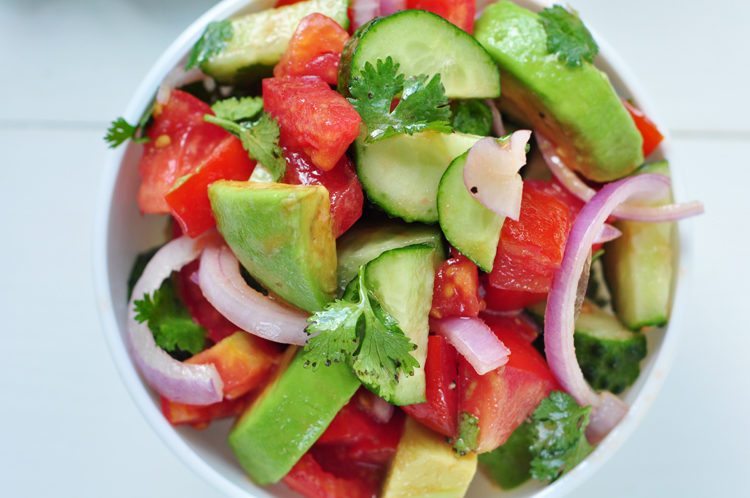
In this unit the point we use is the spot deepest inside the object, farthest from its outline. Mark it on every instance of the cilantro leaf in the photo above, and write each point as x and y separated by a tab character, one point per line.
359	331
235	109
260	139
212	41
567	36
173	328
422	102
559	436
473	117
120	131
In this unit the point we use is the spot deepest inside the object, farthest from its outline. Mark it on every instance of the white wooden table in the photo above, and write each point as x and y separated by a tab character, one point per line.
68	426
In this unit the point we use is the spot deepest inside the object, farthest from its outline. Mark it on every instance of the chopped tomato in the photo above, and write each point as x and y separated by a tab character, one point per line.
459	12
503	398
531	249
201	416
341	182
456	289
308	478
519	322
179	141
498	299
281	3
188	199
652	137
200	309
314	50
441	372
312	117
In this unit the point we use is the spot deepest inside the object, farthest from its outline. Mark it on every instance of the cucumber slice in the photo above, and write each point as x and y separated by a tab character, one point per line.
362	244
469	226
247	48
639	267
423	43
401	174
402	281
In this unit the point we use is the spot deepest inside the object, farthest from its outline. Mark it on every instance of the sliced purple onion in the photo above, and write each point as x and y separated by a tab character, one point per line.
608	233
223	286
498	128
388	7
475	341
177	381
363	11
626	211
607	409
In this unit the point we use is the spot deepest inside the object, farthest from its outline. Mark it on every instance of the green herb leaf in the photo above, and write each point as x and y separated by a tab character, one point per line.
173	328
473	117
241	109
260	139
567	36
422	105
362	333
120	131
510	464
559	436
213	41
468	434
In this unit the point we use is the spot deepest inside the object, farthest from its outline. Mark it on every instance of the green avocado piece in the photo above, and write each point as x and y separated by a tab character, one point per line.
425	466
639	267
282	235
247	47
576	108
289	415
510	464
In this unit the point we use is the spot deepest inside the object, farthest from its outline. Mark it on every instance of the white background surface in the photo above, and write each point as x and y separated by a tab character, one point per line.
68	427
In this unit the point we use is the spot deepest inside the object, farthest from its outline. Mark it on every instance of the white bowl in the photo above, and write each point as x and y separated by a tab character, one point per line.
121	233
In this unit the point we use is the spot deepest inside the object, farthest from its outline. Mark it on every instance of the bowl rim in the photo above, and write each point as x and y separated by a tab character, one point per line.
140	392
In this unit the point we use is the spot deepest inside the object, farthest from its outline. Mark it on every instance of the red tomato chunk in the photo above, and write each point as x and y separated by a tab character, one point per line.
456	289
459	12
652	137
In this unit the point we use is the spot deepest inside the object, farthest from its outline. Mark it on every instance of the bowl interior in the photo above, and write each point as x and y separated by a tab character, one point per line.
121	233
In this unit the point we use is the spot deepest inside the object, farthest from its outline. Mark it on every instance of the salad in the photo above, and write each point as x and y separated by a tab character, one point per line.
407	241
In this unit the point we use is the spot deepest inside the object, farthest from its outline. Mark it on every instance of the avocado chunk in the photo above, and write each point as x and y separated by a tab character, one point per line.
289	415
247	47
282	234
510	464
576	108
425	466
639	267
363	243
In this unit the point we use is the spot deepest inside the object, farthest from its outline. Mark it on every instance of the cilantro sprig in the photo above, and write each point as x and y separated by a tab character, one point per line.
567	36
422	104
173	328
120	131
357	330
260	138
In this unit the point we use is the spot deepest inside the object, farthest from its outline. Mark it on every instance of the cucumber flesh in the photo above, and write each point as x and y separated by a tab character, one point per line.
401	174
469	226
639	267
402	281
364	243
423	43
257	41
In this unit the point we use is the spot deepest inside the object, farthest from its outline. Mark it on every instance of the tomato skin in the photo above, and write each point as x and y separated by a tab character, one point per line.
308	478
523	326
456	289
503	398
312	117
189	202
314	50
498	299
459	12
531	249
201	416
652	137
179	141
342	184
439	412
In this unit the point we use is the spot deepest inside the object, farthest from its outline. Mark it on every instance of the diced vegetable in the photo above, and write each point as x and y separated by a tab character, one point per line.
459	12
456	289
652	137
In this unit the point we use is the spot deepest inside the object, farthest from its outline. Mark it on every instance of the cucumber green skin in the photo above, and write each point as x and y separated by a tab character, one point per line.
469	226
639	268
260	39
363	243
423	43
401	174
402	280
289	416
510	464
576	108
282	235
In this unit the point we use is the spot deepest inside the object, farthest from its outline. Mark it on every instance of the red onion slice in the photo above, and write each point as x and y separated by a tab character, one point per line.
223	286
388	7
475	341
608	233
635	212
491	173
607	410
363	11
177	381
498	128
